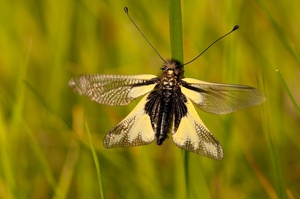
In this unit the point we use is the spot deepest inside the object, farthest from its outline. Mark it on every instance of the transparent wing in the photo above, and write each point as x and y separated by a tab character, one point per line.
220	98
192	135
134	130
112	89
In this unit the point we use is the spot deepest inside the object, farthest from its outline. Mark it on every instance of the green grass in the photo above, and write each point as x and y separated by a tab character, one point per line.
51	139
286	88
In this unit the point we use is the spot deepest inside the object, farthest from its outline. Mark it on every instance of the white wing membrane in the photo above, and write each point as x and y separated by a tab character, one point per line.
112	89
134	130
192	135
221	98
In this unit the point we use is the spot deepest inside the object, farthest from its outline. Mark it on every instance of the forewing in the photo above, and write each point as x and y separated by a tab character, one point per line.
220	98
134	130
192	135
112	89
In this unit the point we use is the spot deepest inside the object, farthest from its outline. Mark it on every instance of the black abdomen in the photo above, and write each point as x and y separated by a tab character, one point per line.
159	108
166	120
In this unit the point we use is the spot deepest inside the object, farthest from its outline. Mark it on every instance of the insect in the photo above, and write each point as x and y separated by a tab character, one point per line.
167	107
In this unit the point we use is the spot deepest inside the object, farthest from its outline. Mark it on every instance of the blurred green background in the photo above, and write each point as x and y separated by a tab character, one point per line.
44	147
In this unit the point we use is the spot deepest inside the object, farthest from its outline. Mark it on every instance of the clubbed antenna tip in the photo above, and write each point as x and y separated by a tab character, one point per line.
234	28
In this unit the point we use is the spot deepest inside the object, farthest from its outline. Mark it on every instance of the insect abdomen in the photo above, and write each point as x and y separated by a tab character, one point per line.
165	123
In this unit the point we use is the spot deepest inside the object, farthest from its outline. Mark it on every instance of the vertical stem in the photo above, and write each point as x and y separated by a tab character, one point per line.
175	23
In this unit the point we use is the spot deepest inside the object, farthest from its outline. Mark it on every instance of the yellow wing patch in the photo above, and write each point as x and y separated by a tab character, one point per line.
134	130
140	90
192	135
193	95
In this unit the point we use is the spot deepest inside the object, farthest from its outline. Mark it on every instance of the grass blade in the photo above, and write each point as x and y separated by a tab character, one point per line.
96	162
287	90
175	21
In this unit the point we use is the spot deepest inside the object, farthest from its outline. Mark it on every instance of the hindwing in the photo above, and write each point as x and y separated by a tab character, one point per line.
134	130
192	135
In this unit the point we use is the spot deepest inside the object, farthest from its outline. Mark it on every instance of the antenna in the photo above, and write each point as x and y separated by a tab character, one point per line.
234	28
127	12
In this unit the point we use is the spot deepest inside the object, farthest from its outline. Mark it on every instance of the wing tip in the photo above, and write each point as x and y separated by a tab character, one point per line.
219	155
78	85
71	83
73	86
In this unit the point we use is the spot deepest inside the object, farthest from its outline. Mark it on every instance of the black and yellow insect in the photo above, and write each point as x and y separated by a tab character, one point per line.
167	107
